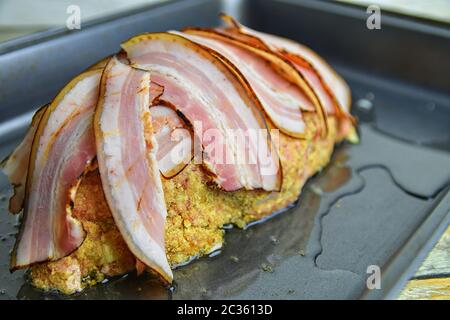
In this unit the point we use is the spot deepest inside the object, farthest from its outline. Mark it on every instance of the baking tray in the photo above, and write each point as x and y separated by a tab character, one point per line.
382	202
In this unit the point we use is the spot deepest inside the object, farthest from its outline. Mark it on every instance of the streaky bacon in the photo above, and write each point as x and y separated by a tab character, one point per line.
174	141
156	92
63	146
280	99
15	166
126	153
290	49
279	65
208	94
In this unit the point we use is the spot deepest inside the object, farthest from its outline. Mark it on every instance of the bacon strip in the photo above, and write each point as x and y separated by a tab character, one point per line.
126	152
279	98
174	141
15	166
278	64
290	49
156	92
213	100
332	80
63	146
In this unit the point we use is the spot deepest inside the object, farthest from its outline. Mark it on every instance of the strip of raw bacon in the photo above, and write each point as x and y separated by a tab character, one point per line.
126	153
279	98
230	127
331	79
156	92
278	65
63	145
324	94
16	165
173	139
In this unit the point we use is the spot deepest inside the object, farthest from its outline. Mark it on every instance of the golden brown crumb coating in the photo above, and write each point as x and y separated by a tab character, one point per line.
197	211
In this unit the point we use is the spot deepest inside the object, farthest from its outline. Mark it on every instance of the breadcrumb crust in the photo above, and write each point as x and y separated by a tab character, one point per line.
197	211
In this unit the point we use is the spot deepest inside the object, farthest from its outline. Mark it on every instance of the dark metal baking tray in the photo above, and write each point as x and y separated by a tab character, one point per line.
382	202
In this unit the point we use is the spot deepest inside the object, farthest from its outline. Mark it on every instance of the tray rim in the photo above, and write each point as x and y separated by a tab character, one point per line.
423	239
350	10
28	40
414	250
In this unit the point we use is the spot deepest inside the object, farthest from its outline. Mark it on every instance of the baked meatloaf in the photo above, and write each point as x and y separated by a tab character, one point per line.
140	161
